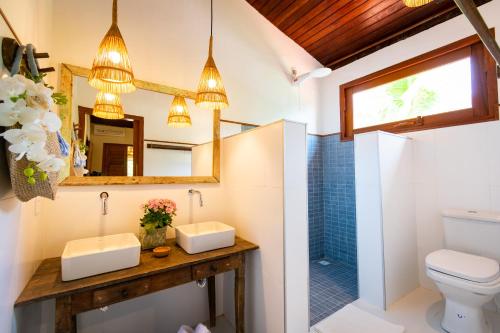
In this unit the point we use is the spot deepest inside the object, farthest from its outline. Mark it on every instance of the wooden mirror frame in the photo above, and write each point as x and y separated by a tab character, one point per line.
67	72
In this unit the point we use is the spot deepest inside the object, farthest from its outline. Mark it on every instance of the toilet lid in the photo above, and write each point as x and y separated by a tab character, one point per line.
463	265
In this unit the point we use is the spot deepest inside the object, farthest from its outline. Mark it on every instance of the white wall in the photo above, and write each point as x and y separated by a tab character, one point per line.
296	229
255	171
385	217
168	43
455	167
369	214
201	160
166	162
399	226
20	228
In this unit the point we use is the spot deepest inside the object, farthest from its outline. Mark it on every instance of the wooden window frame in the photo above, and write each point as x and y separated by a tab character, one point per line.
484	89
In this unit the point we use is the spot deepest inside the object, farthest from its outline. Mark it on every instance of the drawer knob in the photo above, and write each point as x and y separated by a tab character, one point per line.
124	293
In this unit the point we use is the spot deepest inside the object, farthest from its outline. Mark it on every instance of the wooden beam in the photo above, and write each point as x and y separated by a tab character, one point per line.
469	9
140	84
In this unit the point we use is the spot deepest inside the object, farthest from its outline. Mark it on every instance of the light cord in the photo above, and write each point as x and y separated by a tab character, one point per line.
211	16
115	12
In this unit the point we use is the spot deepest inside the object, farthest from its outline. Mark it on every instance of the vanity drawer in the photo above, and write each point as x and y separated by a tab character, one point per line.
204	270
120	292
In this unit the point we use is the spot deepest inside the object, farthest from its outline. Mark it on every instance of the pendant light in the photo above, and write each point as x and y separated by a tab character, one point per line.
178	116
416	3
111	70
107	105
211	94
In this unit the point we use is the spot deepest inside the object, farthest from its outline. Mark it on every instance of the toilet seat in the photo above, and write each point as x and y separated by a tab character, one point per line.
464	271
463	265
488	288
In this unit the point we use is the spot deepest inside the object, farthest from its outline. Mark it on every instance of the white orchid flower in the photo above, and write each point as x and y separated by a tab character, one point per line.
8	116
34	133
51	121
22	139
28	116
11	87
36	152
39	96
51	164
32	111
20	149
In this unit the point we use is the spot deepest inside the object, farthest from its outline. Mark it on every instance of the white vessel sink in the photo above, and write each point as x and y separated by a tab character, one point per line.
97	255
205	236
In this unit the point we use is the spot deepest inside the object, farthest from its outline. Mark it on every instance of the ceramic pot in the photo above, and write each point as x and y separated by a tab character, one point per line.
156	238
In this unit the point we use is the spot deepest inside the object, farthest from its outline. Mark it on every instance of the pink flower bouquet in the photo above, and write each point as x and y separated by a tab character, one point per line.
158	213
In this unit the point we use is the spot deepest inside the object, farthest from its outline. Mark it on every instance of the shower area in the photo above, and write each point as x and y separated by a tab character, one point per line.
333	280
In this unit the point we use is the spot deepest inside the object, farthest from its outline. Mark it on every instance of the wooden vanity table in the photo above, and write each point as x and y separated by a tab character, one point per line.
152	275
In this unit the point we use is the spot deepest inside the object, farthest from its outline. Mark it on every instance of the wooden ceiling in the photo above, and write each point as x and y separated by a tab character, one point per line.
337	32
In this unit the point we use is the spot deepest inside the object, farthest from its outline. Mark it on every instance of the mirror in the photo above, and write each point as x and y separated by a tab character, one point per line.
141	148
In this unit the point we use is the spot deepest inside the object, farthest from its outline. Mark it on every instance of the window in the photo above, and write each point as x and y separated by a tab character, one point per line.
453	85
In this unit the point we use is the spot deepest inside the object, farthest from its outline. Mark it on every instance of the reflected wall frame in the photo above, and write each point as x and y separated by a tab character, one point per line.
67	72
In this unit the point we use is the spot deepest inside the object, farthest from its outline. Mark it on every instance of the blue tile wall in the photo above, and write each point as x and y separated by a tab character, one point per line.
339	200
332	215
315	199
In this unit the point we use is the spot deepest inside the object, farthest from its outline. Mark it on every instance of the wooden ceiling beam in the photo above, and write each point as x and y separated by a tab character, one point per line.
469	9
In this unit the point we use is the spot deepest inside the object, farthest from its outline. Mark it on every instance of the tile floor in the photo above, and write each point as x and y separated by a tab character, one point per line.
420	311
331	288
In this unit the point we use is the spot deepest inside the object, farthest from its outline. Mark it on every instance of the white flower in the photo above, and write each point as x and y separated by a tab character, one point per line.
20	149
12	113
8	116
22	139
51	121
12	86
32	111
36	152
51	164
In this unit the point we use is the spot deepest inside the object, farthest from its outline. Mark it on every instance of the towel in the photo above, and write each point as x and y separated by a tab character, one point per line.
199	329
352	319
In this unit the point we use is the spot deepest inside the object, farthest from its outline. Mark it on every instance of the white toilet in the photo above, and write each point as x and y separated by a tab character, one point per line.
467	271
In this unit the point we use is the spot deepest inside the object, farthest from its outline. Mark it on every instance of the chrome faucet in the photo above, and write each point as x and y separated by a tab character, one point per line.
193	191
104	202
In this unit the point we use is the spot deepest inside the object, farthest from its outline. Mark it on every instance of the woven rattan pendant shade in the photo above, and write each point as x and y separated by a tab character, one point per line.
111	70
178	115
416	3
108	106
211	94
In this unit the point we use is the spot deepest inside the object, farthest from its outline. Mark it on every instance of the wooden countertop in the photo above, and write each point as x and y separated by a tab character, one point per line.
46	283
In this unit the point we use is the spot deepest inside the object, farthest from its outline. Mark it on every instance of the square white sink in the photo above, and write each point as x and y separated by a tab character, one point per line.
205	236
97	255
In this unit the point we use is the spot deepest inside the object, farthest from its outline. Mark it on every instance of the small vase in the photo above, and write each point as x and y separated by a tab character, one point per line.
156	238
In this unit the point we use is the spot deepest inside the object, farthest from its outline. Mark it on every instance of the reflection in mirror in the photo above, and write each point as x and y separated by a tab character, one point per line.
230	128
142	144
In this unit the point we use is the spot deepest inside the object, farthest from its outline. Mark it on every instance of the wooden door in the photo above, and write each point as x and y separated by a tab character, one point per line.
114	159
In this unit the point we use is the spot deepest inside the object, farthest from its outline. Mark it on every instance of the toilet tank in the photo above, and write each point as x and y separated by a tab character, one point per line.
475	232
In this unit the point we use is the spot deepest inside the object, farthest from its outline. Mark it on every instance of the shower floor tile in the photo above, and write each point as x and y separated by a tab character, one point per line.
331	288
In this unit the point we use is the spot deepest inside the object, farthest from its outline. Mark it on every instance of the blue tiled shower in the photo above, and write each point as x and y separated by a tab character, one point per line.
332	225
